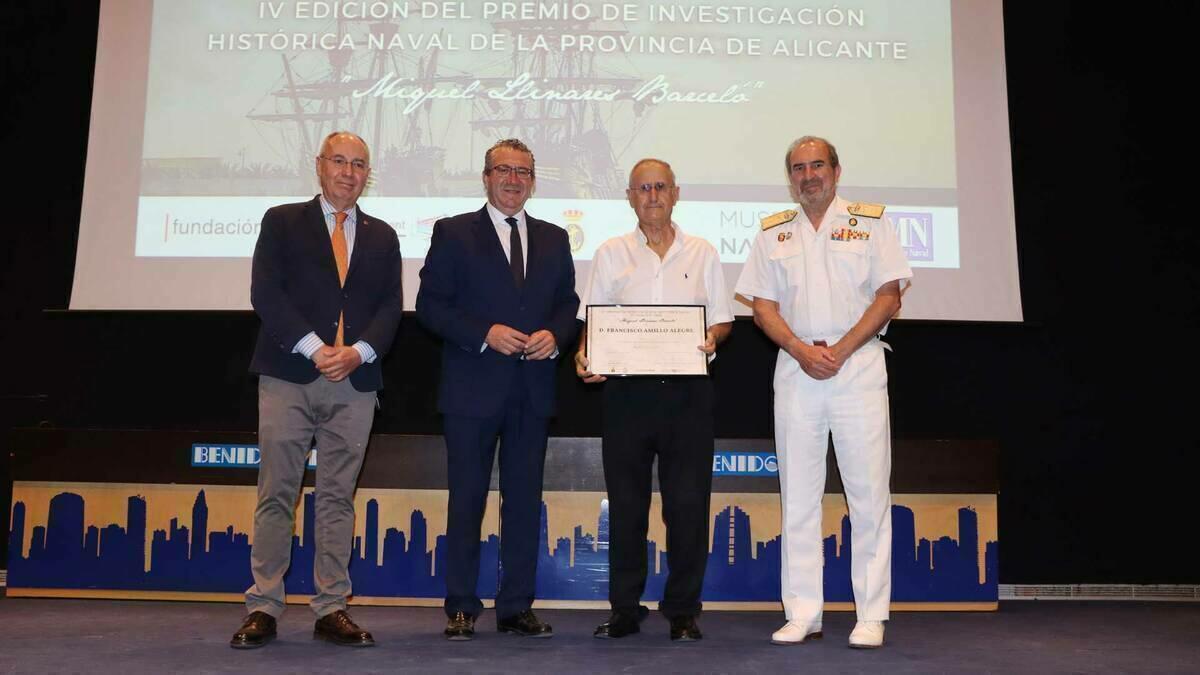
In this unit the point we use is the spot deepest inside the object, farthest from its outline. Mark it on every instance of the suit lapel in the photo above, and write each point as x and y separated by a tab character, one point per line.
318	233
493	251
362	229
533	228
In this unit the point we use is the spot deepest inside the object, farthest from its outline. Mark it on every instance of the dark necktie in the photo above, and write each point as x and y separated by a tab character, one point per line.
516	259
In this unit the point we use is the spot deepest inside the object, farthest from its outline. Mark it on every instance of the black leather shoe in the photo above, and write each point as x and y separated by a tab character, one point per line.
684	629
460	627
339	628
525	624
620	624
258	628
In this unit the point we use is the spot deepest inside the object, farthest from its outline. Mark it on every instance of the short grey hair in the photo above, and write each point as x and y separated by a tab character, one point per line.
787	158
651	160
512	144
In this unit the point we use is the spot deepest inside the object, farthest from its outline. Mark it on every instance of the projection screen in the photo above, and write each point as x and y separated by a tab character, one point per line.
206	113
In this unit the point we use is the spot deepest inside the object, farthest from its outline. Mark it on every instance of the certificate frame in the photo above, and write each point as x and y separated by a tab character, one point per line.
618	354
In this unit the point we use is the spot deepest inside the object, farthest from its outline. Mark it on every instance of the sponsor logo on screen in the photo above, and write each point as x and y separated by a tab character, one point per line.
745	464
233	456
575	236
915	230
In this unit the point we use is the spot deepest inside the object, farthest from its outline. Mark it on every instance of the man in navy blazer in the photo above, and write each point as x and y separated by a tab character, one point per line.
498	286
326	284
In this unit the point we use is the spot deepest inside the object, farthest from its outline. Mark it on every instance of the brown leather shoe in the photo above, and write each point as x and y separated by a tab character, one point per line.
258	628
525	624
460	627
339	628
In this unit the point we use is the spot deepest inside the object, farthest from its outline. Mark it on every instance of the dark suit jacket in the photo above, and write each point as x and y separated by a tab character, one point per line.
467	285
294	289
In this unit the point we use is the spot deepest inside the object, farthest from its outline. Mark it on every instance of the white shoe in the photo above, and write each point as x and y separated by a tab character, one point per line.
867	635
794	633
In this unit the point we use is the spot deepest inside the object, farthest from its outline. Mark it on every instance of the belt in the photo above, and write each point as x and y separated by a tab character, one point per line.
824	342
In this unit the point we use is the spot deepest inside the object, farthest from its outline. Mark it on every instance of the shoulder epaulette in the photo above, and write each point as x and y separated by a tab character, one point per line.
776	219
865	210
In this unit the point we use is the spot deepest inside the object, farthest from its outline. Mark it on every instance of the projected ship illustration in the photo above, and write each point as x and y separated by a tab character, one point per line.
429	115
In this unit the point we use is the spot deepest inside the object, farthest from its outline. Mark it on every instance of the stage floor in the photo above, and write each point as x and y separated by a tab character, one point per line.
1027	637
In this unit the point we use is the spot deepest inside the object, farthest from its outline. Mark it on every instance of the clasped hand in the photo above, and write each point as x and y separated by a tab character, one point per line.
510	341
336	363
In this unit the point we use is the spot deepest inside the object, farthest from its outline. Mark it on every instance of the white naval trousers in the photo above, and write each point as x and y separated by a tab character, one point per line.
853	405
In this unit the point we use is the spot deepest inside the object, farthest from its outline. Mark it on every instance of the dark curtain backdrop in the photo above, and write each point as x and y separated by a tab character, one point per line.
1090	398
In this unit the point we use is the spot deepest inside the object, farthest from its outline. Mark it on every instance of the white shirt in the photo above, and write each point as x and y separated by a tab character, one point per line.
504	233
824	279
626	271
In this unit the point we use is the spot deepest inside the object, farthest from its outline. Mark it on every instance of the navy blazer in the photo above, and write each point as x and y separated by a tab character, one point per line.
467	285
294	289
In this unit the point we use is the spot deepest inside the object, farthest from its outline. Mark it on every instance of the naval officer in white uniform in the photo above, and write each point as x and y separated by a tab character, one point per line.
825	279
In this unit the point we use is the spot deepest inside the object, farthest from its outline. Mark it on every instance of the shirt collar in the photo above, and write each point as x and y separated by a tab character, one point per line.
329	209
498	216
676	243
837	209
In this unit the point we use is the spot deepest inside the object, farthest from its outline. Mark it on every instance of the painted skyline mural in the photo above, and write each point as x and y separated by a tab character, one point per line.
402	559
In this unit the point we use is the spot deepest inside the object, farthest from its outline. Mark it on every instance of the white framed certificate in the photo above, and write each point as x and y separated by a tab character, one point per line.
654	340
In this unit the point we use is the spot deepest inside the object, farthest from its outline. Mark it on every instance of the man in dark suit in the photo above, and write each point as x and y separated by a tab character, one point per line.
498	286
326	284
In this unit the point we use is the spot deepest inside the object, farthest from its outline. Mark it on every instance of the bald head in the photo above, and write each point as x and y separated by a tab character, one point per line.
345	136
652	192
650	160
342	168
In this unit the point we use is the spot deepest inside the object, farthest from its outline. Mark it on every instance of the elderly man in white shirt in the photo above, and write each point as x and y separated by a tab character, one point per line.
671	418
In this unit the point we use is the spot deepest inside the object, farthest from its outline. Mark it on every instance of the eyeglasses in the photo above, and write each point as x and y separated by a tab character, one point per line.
647	187
341	162
519	171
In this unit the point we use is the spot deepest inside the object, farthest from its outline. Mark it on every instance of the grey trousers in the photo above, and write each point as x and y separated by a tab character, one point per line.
290	417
